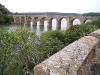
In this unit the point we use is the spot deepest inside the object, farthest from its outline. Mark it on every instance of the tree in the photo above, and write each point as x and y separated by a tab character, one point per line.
2	20
92	14
5	19
16	13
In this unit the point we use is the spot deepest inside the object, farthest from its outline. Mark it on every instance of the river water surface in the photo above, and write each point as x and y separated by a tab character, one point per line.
39	29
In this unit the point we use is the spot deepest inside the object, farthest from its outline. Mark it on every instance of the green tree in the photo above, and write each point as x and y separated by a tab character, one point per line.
2	20
16	13
92	14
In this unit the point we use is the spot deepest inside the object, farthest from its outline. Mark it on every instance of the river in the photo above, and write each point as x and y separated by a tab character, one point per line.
37	28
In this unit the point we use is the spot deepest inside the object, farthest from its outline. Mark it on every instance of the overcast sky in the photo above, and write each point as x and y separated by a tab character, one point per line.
65	6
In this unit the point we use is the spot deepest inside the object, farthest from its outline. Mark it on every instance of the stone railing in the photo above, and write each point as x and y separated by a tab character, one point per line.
75	59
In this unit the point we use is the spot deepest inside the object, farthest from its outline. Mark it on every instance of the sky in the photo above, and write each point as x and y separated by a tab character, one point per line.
64	6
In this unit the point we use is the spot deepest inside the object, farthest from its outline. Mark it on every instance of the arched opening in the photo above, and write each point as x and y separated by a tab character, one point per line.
63	24
54	24
42	21
22	20
87	21
76	22
29	20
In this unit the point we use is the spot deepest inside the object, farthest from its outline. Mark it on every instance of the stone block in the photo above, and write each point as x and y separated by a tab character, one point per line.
95	34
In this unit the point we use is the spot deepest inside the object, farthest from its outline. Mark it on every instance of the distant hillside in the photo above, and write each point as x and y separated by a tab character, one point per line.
4	10
50	13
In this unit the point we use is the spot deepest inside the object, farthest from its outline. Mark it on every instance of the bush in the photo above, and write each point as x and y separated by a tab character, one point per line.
95	23
21	50
50	47
78	31
17	51
56	34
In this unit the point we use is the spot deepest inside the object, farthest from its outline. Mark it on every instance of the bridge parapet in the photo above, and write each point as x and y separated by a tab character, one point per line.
75	59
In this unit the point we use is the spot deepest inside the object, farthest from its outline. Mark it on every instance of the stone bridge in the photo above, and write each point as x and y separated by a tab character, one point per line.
26	19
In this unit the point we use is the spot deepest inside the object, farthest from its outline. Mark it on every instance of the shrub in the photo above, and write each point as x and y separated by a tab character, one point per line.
17	51
53	34
95	23
78	31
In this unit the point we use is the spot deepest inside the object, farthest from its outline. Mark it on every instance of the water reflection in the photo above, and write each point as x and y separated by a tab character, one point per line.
37	28
45	26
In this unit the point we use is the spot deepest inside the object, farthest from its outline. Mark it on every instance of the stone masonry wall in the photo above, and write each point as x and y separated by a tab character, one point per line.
74	59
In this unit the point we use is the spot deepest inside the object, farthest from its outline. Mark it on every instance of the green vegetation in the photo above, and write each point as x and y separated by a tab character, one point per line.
16	13
17	52
92	14
4	19
21	50
76	32
4	11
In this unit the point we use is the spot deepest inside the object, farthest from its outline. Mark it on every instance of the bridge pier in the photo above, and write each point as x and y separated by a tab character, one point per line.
26	19
68	25
28	22
42	22
69	22
59	24
50	22
34	22
22	20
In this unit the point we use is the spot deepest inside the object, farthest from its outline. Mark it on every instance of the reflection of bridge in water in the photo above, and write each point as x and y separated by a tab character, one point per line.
27	19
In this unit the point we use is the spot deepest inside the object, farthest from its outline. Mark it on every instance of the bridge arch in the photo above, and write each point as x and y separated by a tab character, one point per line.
29	20
17	20
22	20
87	20
52	22
35	20
75	21
42	21
62	23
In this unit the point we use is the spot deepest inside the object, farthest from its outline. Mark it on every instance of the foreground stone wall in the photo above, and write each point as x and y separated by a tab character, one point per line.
75	59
